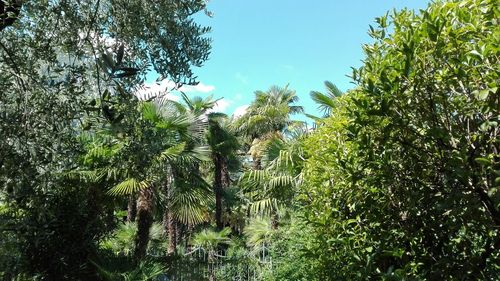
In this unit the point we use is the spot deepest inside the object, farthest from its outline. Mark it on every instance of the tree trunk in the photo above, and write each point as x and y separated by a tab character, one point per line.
145	205
131	208
169	222
189	233
172	231
221	181
256	165
179	232
274	220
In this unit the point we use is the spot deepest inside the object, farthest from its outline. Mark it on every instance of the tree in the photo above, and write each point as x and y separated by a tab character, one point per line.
9	12
224	145
60	61
268	115
210	241
325	101
407	163
175	159
273	187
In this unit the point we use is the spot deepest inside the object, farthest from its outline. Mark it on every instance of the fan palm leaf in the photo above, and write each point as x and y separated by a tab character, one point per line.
129	186
326	101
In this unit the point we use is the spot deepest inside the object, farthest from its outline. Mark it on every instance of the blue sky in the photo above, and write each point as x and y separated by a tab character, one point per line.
260	43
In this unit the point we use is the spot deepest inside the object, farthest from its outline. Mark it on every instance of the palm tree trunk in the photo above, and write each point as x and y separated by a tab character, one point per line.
131	208
172	231
168	217
274	220
179	232
221	181
145	205
256	164
189	232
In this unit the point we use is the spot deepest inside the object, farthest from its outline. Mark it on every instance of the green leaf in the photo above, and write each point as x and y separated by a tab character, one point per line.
483	94
128	186
483	161
172	152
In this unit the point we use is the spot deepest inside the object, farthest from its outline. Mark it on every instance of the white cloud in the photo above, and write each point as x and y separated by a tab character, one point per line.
222	105
167	88
200	88
164	88
240	110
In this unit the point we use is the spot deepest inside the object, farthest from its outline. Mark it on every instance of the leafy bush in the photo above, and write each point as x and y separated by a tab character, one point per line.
401	181
119	268
121	241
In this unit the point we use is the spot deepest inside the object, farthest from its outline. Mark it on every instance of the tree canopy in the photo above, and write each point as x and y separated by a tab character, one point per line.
398	180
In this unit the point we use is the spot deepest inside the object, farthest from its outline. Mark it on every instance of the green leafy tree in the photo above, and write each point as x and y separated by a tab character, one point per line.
60	64
267	116
272	188
408	164
224	146
210	241
161	148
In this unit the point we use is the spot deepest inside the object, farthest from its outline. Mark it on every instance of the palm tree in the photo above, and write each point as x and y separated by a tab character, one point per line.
273	186
258	234
269	112
326	101
210	241
185	192
223	144
196	107
268	116
187	199
162	139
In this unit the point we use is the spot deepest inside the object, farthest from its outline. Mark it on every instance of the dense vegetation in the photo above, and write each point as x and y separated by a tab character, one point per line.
397	181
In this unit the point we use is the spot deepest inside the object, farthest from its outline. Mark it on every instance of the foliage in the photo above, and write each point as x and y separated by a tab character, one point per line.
210	240
269	112
112	268
326	101
290	255
121	241
69	68
406	168
274	185
397	181
258	233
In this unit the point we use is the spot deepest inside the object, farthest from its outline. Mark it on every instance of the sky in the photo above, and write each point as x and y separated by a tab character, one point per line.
302	43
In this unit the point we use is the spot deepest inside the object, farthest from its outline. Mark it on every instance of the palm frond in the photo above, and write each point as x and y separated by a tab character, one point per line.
209	240
264	206
85	175
172	152
332	90
258	232
280	182
201	153
325	102
128	186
